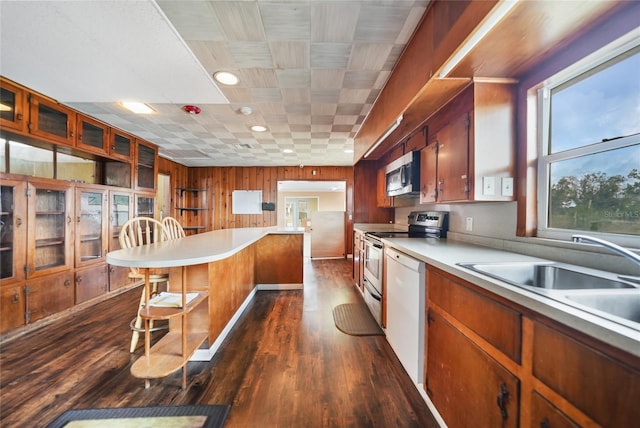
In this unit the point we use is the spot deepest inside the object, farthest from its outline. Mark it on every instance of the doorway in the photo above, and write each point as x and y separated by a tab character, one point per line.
297	211
163	196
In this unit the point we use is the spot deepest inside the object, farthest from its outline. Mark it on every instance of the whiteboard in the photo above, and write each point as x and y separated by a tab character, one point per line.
246	202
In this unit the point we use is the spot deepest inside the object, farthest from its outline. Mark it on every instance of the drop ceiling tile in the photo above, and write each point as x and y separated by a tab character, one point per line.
196	22
294	78
334	21
240	21
258	78
290	54
251	54
283	21
330	55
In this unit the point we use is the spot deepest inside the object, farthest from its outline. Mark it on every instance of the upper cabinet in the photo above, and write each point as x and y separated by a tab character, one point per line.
13	230
146	165
471	154
121	145
14	112
52	121
93	136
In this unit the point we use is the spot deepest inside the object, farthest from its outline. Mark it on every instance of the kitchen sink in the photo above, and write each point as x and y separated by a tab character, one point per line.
621	304
549	275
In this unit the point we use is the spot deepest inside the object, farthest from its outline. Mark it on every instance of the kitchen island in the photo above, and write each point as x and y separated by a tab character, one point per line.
227	266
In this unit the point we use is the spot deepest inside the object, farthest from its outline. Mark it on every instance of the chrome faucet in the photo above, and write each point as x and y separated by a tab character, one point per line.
616	249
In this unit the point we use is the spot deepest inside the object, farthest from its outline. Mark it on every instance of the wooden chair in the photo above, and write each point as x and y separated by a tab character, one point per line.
173	227
136	232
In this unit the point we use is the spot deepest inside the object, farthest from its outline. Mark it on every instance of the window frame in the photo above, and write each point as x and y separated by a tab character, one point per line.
627	45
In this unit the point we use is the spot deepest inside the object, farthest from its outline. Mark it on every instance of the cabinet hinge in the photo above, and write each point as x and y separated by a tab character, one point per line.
27	290
27	193
26	269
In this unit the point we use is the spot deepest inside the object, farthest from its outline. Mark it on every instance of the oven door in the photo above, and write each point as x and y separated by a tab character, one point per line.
373	263
373	300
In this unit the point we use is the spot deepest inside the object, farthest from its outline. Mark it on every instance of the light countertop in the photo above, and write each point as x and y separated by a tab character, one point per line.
194	249
445	254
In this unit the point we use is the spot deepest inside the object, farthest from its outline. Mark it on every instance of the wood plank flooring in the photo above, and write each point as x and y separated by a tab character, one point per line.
283	365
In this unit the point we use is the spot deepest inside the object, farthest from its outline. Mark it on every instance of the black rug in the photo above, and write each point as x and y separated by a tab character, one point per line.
134	417
356	320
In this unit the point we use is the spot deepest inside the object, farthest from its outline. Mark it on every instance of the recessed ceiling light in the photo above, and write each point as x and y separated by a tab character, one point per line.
226	78
258	128
138	108
287	151
348	150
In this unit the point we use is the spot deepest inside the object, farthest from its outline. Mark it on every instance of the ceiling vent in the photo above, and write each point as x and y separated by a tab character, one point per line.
243	146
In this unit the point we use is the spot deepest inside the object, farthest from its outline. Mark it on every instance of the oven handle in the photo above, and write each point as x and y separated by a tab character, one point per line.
373	293
373	244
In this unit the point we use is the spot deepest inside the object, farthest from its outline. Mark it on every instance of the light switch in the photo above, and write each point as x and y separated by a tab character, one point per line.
507	186
488	185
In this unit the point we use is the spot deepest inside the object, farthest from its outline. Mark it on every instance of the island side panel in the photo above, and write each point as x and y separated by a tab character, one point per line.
279	259
231	280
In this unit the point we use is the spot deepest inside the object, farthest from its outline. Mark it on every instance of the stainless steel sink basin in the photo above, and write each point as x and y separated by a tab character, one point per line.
621	304
549	275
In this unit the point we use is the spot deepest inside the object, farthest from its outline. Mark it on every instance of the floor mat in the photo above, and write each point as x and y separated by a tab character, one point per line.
356	320
134	417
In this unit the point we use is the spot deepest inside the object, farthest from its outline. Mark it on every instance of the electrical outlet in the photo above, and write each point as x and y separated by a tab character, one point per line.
507	186
488	186
469	224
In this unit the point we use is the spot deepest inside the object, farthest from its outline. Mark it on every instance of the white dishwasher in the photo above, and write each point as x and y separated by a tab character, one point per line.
405	311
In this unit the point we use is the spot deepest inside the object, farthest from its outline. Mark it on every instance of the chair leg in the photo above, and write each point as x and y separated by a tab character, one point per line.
135	335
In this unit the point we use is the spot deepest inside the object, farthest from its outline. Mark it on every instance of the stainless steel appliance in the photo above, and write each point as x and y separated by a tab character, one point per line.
403	175
422	224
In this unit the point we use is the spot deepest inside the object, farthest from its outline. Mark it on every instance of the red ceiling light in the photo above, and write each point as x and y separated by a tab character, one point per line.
191	109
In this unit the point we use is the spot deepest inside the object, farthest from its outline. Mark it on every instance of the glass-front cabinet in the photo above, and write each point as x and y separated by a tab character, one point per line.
52	121
91	226
13	230
145	206
49	247
121	145
93	136
120	211
13	114
146	166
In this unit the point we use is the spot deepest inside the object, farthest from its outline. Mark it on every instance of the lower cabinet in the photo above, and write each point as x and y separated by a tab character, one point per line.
491	362
49	295
11	307
119	277
467	386
91	282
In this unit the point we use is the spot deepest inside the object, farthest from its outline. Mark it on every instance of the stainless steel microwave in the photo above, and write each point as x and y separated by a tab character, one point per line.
403	175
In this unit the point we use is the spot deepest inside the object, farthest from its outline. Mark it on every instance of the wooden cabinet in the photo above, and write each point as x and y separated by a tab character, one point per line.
120	211
146	165
49	295
591	379
416	141
382	199
12	307
145	205
546	415
474	144
191	207
467	386
93	136
91	282
91	242
357	237
121	145
49	246
13	230
52	121
458	368
14	114
428	172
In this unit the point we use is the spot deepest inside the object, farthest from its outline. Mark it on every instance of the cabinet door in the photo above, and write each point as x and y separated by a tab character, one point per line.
121	146
91	282
49	238
146	166
93	136
120	211
467	386
52	121
13	231
49	295
428	173
91	226
546	415
453	160
145	206
13	115
382	199
417	141
11	308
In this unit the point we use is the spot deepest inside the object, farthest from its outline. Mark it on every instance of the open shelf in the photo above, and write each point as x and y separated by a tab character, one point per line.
163	312
166	356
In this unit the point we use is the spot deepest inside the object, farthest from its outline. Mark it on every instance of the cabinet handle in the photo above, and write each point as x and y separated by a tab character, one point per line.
78	219
16	298
78	279
67	283
441	185
502	400
18	221
19	116
68	219
545	423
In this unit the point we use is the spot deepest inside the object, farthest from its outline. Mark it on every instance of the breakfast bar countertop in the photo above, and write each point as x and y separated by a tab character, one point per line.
194	249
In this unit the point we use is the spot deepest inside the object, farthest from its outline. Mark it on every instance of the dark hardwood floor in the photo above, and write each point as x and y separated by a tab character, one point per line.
284	364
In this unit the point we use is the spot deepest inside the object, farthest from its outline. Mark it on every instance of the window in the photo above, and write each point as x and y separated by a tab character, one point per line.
589	153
